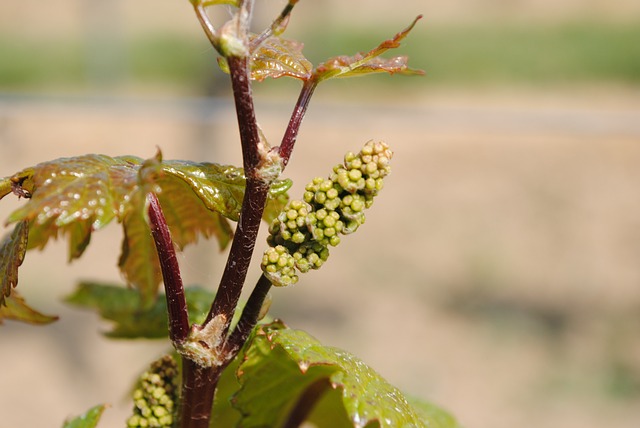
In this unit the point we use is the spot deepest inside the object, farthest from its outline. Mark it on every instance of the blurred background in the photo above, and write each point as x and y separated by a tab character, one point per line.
498	274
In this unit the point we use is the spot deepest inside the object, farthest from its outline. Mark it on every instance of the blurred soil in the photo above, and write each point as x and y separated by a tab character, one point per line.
497	274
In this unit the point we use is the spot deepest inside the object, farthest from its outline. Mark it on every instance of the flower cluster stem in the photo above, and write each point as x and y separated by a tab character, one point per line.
250	315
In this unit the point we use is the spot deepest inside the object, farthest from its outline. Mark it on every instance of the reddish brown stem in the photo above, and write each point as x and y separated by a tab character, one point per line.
291	134
245	112
249	317
174	289
242	247
198	388
255	196
199	383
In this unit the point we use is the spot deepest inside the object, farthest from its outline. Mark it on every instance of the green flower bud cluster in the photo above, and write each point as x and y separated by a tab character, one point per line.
300	237
155	396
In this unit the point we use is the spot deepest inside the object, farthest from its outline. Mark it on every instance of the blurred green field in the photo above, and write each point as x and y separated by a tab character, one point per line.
468	55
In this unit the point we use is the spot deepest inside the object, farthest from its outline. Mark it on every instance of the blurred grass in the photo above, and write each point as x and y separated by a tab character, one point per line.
569	53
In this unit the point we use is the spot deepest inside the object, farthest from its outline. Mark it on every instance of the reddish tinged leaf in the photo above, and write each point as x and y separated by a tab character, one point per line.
12	250
75	196
16	309
367	63
277	57
71	191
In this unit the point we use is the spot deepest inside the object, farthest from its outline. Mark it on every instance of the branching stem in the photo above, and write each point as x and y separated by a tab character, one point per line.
277	27
291	134
205	22
250	315
199	383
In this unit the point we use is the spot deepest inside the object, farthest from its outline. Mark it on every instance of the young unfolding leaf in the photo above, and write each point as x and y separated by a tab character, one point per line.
277	57
122	307
12	250
16	309
75	196
281	365
367	63
89	419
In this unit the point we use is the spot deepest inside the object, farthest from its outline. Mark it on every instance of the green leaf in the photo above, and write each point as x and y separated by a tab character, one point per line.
281	365
16	309
88	420
12	250
73	197
367	63
439	418
122	307
223	414
276	202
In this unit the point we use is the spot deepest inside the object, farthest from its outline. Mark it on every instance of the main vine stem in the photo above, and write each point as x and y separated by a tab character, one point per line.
199	383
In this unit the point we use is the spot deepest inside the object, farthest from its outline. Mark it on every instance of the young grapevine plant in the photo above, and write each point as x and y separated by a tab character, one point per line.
262	373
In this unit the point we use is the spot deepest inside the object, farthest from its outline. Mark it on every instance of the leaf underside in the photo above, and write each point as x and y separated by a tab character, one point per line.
281	364
12	250
16	309
73	197
121	306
